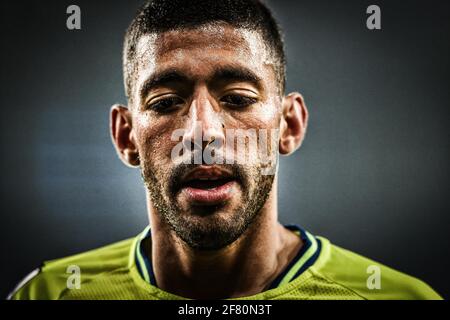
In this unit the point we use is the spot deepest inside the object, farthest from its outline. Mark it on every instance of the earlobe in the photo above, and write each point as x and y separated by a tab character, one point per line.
122	135
131	158
294	122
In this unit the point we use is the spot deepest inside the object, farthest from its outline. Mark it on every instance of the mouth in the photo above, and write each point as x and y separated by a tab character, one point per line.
208	185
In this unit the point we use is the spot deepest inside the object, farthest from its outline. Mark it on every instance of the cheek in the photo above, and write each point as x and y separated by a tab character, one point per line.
154	137
263	120
259	116
270	112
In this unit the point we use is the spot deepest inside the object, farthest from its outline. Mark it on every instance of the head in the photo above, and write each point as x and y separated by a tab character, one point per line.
197	75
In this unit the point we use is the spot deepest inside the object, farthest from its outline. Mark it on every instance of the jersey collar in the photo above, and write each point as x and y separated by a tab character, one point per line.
305	257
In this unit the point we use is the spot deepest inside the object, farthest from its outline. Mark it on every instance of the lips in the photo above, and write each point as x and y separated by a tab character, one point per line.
208	185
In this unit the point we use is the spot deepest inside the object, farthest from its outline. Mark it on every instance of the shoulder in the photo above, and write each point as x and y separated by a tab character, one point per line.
54	277
367	278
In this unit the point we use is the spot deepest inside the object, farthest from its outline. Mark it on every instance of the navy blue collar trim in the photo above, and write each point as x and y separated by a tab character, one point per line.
300	253
274	284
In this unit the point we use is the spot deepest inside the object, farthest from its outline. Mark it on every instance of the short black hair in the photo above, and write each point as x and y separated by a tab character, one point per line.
157	16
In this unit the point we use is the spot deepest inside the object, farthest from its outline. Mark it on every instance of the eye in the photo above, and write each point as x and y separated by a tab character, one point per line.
238	101
165	105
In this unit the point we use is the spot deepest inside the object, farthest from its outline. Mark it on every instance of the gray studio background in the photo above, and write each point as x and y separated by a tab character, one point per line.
372	174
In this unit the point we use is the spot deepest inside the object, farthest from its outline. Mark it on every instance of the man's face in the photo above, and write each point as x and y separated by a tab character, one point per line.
211	80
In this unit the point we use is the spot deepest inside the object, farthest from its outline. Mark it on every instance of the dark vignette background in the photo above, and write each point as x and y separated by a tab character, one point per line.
372	175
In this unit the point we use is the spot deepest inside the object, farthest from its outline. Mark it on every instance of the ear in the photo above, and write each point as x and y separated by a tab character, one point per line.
294	122
122	135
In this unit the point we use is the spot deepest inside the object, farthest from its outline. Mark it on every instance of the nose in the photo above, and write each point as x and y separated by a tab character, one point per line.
204	127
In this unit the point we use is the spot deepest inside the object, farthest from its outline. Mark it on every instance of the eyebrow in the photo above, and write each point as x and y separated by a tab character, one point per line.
236	73
225	73
162	78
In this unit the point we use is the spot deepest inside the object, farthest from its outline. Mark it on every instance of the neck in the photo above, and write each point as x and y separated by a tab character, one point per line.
245	267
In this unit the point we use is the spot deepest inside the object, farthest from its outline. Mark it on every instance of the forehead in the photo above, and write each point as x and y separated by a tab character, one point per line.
200	50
